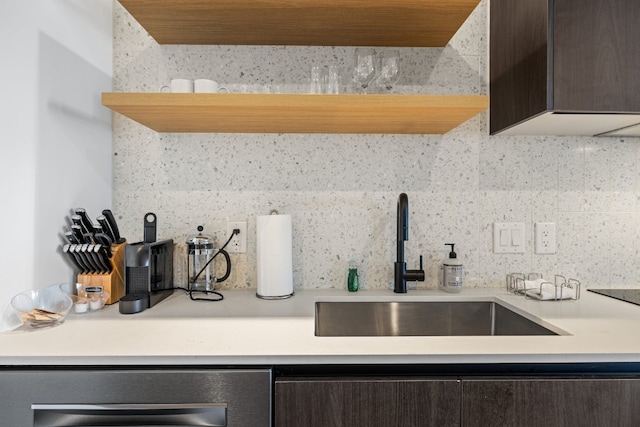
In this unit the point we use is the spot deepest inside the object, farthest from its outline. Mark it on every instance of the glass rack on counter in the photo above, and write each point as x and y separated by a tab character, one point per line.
534	286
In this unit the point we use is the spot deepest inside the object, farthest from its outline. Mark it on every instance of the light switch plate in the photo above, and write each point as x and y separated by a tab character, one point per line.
508	238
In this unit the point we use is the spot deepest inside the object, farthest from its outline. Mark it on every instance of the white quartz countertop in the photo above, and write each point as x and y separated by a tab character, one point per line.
245	330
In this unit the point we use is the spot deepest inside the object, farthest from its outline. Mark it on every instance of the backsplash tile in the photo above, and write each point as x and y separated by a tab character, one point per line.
342	190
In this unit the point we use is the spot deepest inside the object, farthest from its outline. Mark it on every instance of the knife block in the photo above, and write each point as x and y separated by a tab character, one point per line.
112	282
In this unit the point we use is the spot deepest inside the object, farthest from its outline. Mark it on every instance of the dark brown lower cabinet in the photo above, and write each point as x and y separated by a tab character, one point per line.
367	402
409	401
562	402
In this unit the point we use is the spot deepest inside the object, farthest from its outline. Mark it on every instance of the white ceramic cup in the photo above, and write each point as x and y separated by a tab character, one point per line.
178	86
207	86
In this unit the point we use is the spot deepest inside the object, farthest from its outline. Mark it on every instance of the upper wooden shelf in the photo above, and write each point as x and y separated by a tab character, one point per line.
297	113
411	23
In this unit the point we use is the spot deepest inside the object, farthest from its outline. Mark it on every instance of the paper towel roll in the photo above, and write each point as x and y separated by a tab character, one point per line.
274	256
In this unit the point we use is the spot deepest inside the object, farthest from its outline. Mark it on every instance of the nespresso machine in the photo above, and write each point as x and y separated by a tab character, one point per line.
148	267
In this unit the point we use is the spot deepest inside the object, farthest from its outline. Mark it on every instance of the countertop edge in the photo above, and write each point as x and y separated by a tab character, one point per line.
246	331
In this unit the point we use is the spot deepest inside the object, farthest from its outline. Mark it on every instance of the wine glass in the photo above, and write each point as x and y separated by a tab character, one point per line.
389	69
365	67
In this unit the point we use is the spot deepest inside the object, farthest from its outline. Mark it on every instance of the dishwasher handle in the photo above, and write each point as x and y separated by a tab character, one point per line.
127	415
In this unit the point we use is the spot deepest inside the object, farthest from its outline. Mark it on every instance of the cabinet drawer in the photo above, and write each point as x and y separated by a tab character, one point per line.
551	402
367	402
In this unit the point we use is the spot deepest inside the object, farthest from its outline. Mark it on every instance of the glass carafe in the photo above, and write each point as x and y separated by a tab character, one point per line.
200	265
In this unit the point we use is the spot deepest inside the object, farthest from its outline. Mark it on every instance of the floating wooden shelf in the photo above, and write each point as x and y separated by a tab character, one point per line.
428	23
297	113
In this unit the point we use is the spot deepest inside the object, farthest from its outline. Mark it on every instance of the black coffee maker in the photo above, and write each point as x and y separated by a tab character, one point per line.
148	265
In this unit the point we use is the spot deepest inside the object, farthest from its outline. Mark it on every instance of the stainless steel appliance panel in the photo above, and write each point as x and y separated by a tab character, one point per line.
136	397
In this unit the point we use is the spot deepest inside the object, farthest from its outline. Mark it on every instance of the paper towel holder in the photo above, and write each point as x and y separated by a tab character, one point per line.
278	285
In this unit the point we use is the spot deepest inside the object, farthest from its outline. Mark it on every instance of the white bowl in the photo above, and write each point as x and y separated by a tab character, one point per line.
45	307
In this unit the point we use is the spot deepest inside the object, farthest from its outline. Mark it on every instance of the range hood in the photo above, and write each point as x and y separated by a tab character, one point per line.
580	124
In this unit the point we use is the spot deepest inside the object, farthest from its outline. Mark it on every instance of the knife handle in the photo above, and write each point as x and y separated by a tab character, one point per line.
71	238
88	251
75	250
86	222
72	256
94	251
81	251
113	225
101	252
106	227
77	220
77	232
105	241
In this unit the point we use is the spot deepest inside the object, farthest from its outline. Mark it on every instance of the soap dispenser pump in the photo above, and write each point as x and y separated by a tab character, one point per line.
452	272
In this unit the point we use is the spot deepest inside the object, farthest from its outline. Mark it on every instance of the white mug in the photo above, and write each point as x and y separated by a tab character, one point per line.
208	86
179	86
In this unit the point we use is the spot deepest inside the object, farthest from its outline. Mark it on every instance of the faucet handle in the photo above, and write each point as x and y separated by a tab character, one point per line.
415	275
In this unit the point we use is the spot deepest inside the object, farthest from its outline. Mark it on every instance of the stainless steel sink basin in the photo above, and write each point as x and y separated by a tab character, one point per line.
421	318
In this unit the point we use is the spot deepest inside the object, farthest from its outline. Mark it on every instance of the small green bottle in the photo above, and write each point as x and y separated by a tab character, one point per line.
352	279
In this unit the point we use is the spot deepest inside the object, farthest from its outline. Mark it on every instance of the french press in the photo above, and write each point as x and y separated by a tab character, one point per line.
201	264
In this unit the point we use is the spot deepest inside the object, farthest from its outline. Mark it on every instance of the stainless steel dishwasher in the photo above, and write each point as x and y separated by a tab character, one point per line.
76	397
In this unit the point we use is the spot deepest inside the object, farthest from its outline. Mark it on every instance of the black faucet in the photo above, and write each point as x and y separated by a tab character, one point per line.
400	274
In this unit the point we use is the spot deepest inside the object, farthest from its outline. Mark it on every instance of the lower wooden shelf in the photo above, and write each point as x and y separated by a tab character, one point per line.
297	113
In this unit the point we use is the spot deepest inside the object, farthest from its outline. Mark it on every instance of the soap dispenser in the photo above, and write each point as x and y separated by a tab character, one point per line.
452	272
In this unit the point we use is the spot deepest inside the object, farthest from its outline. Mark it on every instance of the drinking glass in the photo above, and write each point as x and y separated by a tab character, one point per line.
333	80
389	69
316	80
365	67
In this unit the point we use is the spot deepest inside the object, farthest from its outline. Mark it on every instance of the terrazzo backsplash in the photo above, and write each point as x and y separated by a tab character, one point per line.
342	190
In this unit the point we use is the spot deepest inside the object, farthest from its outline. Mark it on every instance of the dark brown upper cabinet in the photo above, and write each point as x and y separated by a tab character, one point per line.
565	67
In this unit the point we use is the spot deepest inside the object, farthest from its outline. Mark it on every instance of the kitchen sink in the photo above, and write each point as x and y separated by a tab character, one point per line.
421	318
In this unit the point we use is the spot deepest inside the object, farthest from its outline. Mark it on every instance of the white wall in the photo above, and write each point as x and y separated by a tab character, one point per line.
56	137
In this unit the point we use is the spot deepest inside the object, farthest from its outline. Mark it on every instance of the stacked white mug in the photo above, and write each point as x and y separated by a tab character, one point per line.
190	86
208	86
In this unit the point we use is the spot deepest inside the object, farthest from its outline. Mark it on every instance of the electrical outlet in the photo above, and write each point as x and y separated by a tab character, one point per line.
545	237
238	243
